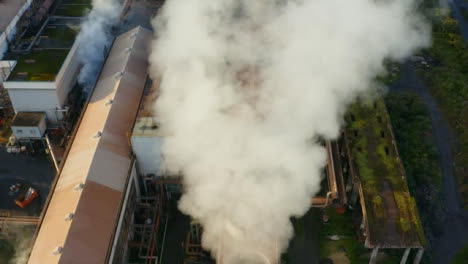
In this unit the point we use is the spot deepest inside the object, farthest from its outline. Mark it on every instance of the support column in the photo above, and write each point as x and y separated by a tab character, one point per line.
373	257
419	255
405	256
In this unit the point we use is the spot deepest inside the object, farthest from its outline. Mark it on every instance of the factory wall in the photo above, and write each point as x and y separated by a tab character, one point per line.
67	75
36	100
148	154
29	131
123	231
48	97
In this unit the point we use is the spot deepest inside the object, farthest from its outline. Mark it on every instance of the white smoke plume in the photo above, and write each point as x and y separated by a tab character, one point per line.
248	89
94	37
19	241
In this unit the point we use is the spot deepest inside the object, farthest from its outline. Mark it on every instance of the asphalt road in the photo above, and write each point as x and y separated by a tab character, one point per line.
304	247
456	6
454	225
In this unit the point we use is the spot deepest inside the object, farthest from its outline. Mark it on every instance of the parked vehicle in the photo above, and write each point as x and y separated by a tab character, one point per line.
16	187
27	197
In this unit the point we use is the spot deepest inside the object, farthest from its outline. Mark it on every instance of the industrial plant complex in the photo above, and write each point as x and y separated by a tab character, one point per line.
83	171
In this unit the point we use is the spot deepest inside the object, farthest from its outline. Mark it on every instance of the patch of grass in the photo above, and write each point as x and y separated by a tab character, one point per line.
38	66
462	256
7	250
76	2
341	225
72	10
393	73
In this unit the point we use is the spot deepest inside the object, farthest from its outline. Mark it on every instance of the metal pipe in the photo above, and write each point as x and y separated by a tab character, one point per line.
155	239
326	200
51	153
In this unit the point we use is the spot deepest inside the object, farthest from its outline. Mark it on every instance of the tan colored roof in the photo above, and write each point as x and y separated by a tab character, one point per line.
8	11
101	163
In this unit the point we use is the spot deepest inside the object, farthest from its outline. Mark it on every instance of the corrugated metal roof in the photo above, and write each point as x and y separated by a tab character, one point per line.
391	214
100	163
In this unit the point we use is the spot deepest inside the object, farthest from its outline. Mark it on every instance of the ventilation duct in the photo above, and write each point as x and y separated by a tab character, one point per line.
79	187
69	217
57	250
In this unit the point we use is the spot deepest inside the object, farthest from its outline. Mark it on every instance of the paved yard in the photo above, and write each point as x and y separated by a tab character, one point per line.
37	171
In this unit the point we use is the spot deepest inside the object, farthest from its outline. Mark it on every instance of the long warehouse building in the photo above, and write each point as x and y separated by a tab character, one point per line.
81	220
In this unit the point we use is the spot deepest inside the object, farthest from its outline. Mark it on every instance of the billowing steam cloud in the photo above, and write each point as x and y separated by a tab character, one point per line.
94	37
248	88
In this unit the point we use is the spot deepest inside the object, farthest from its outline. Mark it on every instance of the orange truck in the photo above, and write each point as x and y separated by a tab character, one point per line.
26	198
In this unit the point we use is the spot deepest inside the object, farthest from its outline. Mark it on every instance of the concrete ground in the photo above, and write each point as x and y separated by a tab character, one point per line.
36	171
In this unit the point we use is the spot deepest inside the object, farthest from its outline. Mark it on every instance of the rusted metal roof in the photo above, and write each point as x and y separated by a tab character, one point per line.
390	212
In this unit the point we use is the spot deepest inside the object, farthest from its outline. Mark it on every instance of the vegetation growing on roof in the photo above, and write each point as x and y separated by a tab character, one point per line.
76	2
38	66
382	176
60	36
72	10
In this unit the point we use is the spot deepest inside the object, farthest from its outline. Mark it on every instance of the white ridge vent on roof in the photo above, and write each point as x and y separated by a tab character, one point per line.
79	187
69	217
57	250
97	135
119	74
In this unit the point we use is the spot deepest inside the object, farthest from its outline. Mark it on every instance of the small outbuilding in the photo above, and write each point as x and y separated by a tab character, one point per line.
29	125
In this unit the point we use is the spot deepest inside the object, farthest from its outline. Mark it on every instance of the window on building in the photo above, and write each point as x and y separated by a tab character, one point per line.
33	131
19	131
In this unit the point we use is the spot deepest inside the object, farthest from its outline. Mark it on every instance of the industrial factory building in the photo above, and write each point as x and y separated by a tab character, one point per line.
42	64
146	137
97	175
376	183
113	203
45	88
